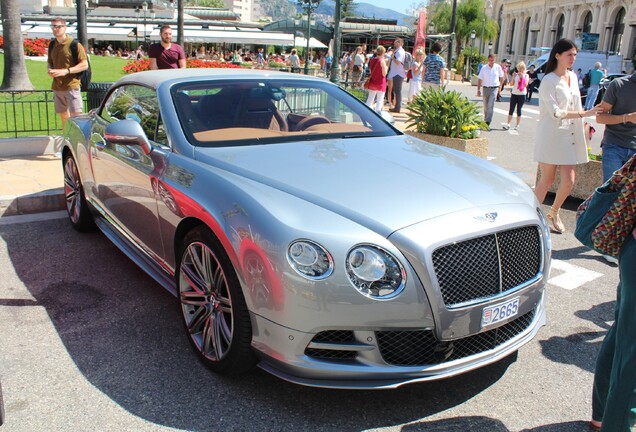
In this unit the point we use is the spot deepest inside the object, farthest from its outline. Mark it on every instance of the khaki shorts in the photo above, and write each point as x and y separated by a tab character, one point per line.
67	101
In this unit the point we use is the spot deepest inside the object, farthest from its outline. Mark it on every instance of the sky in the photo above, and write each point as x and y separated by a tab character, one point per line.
396	5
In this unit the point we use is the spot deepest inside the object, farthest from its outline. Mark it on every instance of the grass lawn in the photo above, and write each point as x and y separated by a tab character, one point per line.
33	113
105	69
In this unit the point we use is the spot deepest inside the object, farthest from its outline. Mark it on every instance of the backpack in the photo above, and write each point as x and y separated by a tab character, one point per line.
408	60
586	79
84	76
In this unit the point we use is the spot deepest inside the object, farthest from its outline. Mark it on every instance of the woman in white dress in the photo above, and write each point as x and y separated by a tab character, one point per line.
560	141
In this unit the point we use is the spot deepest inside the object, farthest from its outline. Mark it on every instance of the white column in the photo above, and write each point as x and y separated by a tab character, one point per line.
567	15
547	27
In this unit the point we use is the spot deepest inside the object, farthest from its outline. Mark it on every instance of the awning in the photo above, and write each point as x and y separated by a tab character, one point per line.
41	31
313	42
238	37
111	33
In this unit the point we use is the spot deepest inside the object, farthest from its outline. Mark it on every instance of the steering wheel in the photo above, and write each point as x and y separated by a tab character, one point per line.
311	121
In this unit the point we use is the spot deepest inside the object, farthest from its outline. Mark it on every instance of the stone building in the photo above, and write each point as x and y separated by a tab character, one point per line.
600	25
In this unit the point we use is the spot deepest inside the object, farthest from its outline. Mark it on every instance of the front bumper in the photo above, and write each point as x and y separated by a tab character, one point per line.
363	360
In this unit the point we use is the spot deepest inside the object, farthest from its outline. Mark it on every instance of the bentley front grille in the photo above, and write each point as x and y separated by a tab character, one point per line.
421	347
483	267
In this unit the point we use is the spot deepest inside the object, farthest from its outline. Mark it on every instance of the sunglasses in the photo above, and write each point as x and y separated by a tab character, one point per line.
55	27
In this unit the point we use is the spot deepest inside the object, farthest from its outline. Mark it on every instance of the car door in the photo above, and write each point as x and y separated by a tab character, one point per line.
124	175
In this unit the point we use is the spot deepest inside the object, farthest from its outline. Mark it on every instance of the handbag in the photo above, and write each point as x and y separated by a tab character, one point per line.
608	216
368	80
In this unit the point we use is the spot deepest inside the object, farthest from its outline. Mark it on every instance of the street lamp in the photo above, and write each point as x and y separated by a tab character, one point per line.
489	47
137	13
309	6
335	63
144	7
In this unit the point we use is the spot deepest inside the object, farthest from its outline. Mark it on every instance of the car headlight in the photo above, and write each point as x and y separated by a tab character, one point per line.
375	272
310	259
546	227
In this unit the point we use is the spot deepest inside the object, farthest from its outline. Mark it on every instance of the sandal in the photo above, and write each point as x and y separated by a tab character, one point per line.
595	425
555	220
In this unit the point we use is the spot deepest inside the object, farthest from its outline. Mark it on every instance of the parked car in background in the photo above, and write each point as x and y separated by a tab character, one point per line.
301	232
602	87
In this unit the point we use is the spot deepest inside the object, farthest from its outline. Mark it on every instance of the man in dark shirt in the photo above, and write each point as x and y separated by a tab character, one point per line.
166	55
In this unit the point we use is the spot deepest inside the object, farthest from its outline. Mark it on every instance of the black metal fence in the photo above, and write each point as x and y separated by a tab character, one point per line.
28	113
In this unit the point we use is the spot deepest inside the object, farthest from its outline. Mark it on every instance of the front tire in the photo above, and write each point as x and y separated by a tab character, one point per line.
212	305
78	212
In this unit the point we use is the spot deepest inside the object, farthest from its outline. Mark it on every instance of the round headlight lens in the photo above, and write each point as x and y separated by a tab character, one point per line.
310	259
375	272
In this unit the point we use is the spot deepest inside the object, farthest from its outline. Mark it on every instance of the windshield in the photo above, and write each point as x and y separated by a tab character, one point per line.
245	112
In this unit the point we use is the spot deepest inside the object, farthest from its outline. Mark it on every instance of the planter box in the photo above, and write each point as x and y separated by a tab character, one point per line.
473	80
475	146
589	176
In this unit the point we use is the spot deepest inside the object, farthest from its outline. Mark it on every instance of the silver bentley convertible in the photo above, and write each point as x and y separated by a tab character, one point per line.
301	232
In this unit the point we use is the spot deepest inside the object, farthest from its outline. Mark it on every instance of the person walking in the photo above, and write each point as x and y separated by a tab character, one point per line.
596	75
294	61
433	67
397	73
357	67
165	54
560	141
377	79
518	97
67	97
417	68
614	391
491	79
505	67
533	85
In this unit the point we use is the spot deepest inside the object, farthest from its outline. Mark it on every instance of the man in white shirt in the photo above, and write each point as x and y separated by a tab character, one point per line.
491	77
397	73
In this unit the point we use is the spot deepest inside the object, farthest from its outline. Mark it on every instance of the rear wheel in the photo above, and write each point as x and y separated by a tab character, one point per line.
76	206
212	305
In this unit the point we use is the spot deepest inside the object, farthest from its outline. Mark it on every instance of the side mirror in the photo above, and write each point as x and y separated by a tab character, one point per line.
127	132
387	117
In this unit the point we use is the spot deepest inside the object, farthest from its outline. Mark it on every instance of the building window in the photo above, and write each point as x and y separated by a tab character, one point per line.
526	37
587	23
499	18
619	28
559	32
511	50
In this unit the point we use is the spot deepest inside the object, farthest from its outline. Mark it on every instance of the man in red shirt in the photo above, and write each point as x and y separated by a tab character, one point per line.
166	55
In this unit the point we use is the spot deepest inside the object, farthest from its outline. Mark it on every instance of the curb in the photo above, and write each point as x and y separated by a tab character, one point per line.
40	202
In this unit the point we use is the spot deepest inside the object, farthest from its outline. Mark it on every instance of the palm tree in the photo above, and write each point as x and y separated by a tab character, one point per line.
470	16
15	72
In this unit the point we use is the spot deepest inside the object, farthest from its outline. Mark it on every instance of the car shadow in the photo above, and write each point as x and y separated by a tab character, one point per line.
585	341
124	334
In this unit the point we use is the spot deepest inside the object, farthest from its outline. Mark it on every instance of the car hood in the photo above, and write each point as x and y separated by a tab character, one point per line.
384	183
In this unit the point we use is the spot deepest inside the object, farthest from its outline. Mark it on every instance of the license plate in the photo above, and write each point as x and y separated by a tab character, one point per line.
499	312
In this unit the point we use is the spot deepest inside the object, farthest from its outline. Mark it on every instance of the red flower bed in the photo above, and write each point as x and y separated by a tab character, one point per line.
36	47
32	47
133	66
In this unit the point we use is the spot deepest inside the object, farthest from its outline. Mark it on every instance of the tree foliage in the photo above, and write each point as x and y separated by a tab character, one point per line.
348	8
470	16
278	9
206	3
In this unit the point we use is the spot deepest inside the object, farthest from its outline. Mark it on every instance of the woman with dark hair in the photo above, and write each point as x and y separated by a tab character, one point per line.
560	141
